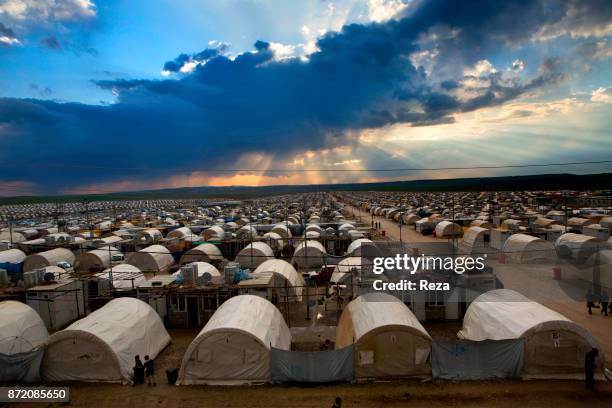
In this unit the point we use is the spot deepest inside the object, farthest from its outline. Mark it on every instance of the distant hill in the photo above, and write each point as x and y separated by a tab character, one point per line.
506	183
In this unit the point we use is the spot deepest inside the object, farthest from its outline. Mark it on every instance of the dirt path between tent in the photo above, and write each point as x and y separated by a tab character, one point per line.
468	394
391	228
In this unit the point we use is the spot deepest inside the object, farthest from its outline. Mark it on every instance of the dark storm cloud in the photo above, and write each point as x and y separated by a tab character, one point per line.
6	31
361	77
8	34
199	58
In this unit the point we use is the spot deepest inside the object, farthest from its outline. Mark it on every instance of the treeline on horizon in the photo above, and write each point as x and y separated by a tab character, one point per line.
506	183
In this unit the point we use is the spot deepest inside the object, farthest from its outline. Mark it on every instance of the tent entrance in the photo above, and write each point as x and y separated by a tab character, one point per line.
193	315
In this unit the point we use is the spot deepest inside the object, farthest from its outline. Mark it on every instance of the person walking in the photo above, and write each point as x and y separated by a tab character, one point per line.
589	300
604	302
589	369
138	371
149	367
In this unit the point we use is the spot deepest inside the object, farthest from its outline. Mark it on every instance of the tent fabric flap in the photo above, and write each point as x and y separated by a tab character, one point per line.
312	367
477	360
21	367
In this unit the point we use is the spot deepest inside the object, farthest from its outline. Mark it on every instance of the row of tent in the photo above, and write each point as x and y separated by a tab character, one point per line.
234	346
158	259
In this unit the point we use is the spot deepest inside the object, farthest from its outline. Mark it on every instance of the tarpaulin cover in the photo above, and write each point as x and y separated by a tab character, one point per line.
20	367
314	367
477	360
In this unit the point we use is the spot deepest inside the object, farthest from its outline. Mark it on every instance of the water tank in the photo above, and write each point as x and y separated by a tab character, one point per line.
40	276
30	279
230	271
189	274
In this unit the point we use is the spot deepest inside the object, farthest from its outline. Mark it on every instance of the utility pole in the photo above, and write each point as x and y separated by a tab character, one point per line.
11	229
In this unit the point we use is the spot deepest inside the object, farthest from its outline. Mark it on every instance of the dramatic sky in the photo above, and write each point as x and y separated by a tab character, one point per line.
114	95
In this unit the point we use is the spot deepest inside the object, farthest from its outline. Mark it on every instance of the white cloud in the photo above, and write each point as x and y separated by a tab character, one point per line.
305	31
602	95
9	40
282	51
18	17
189	66
47	10
383	10
425	59
310	47
482	68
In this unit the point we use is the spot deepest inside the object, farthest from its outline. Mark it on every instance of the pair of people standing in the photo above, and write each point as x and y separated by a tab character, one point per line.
142	371
604	302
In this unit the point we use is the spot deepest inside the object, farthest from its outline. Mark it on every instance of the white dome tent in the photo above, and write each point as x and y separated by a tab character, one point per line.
576	246
554	345
152	259
445	229
151	236
309	254
314	227
202	253
522	248
363	247
183	233
101	347
48	258
234	346
125	277
215	232
389	340
254	255
22	337
12	256
410	219
474	238
283	230
344	271
96	260
274	240
345	228
246	232
313	235
285	276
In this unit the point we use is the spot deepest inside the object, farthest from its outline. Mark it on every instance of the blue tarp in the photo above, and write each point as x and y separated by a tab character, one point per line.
311	367
477	360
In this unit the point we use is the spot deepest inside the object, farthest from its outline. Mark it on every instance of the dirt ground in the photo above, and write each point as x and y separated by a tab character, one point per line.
414	394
